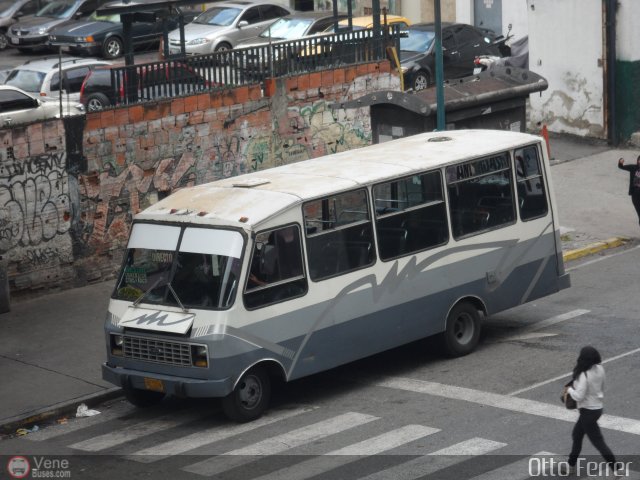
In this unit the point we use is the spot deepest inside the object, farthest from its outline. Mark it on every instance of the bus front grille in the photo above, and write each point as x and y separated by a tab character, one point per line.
159	351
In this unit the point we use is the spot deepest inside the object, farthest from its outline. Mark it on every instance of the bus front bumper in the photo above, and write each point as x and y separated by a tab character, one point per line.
172	385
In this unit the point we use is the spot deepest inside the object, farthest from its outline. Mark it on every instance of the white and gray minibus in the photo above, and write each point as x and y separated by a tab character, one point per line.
300	268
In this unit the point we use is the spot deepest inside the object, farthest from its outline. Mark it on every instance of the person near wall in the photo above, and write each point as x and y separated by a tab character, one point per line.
588	391
634	182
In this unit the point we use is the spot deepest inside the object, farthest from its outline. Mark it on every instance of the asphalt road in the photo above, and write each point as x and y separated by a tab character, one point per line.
404	414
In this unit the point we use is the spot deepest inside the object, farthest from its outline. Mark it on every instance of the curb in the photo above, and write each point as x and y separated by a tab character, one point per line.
594	248
10	425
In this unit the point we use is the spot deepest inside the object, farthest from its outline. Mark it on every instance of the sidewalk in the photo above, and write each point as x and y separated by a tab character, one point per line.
51	348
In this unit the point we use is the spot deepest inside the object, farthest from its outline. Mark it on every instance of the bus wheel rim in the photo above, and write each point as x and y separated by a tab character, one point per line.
250	392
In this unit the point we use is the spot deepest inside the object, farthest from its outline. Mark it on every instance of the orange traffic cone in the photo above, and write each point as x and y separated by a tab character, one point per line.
545	135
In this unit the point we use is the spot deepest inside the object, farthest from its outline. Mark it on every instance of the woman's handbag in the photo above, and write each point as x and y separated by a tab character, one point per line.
567	399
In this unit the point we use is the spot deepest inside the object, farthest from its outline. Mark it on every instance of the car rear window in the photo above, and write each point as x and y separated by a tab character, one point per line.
28	80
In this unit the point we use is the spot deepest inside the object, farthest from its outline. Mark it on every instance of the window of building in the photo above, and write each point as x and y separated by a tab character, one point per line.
410	215
530	182
480	195
276	272
339	234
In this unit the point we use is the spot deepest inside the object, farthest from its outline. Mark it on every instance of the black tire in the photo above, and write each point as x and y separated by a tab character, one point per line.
222	47
463	330
4	41
142	398
96	101
250	398
421	80
112	47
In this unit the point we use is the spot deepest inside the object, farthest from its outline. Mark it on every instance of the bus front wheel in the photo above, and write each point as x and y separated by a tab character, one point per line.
249	398
463	330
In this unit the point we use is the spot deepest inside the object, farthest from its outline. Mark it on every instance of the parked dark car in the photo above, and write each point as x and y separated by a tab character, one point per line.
461	44
31	32
11	11
103	35
105	87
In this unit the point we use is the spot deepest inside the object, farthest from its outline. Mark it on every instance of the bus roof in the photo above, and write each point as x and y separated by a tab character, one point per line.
250	199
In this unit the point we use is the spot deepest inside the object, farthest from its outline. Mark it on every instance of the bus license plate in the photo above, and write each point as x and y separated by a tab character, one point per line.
153	384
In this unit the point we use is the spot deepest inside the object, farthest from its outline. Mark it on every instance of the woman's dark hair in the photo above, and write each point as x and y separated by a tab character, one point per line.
588	357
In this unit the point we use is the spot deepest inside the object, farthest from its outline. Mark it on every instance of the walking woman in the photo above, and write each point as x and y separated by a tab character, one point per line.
588	391
634	182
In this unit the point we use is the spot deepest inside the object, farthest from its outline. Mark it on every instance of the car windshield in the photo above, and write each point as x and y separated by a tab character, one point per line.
417	40
218	16
198	268
114	18
59	9
28	80
287	28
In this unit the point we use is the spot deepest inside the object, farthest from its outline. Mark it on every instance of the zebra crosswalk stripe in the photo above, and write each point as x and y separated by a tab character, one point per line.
138	430
438	460
518	470
343	456
280	443
210	435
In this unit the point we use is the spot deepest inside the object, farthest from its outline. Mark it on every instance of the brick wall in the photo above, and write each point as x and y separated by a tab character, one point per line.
62	225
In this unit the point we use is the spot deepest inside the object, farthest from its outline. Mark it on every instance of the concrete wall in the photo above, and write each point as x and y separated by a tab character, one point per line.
513	12
628	68
63	226
566	47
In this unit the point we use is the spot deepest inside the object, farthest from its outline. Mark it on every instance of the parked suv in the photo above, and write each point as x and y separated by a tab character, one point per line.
11	11
106	87
32	31
42	77
18	106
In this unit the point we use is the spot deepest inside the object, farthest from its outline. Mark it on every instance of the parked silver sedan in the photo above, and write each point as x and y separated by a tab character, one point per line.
18	106
225	25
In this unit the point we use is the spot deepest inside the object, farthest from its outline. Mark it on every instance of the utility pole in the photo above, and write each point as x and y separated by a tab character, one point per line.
439	74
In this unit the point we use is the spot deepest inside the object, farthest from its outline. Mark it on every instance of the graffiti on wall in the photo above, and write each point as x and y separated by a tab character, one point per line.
34	199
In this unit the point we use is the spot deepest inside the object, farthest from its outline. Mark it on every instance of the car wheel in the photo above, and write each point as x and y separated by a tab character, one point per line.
222	47
421	81
463	330
142	398
96	101
250	398
4	42
112	48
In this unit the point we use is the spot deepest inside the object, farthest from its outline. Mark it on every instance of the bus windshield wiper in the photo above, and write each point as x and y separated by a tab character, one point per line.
175	295
141	297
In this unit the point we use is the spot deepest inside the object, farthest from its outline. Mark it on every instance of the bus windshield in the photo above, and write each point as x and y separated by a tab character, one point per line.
186	267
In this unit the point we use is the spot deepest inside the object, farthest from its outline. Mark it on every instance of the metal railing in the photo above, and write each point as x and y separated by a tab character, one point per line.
250	65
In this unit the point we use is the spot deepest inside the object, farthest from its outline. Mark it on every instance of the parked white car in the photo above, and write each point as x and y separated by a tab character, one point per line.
18	106
42	77
225	25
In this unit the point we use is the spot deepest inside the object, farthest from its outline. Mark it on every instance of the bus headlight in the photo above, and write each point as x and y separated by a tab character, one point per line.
116	345
199	356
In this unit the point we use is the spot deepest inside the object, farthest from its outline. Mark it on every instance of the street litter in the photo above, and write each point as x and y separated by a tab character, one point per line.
26	431
62	421
83	411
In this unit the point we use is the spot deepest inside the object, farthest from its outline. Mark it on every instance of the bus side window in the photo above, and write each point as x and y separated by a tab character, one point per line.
339	234
481	195
532	198
276	272
410	215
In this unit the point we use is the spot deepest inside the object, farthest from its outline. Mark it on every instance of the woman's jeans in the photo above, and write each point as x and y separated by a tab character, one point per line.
587	425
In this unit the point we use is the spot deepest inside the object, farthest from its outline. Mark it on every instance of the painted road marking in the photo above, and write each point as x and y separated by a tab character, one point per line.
343	456
506	402
600	259
525	333
131	432
567	375
435	461
279	443
210	435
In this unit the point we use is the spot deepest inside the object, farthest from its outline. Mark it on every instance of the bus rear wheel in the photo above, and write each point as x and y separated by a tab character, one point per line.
249	398
463	330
